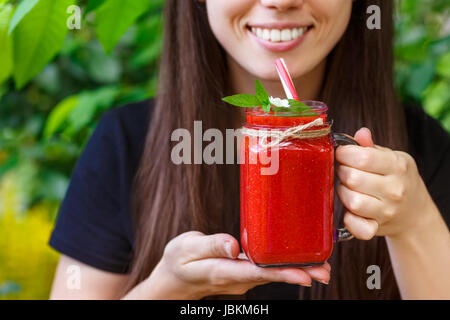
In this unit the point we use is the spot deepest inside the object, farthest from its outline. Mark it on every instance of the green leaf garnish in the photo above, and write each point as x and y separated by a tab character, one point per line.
296	103
261	93
266	107
243	100
261	99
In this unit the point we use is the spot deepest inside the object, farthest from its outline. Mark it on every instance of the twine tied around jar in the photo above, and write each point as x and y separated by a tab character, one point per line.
297	132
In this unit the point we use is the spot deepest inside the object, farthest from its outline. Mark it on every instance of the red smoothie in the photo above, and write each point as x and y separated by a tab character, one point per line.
287	217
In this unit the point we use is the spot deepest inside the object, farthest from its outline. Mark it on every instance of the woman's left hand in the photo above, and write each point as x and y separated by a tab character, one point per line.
382	189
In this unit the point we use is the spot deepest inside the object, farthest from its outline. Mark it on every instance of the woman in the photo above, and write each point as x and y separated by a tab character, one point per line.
140	227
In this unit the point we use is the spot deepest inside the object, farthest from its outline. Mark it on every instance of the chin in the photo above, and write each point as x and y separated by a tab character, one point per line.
264	68
270	75
264	71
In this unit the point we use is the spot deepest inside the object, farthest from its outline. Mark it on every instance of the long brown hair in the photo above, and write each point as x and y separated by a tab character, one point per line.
171	199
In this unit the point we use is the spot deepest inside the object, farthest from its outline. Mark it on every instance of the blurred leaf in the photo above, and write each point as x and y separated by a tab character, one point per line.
153	86
22	10
38	38
89	103
101	67
26	181
156	5
49	79
134	95
440	46
59	115
114	18
414	36
6	61
443	66
59	150
149	30
3	90
437	97
71	45
53	185
147	55
420	77
149	38
446	122
8	165
93	4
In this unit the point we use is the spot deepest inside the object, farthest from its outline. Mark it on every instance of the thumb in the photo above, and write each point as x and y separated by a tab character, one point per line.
364	137
219	245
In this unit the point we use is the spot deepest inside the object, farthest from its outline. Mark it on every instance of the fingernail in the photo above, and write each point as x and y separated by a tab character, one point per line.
228	249
323	281
306	285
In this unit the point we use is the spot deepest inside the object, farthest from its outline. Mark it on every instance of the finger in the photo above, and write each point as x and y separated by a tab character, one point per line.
364	137
362	181
361	204
240	288
199	246
368	159
318	273
227	272
382	148
327	266
384	188
242	256
361	228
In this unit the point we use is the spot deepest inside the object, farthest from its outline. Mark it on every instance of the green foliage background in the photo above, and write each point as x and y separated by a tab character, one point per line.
55	83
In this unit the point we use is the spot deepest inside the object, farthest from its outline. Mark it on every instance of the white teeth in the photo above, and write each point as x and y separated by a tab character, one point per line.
259	33
277	35
286	35
301	31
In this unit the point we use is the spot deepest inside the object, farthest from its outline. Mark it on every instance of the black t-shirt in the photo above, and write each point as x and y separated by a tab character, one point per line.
94	221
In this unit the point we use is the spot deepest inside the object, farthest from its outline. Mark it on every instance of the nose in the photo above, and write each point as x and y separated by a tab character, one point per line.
281	4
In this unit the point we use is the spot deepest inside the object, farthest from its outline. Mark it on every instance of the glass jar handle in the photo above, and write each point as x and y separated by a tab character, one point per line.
342	139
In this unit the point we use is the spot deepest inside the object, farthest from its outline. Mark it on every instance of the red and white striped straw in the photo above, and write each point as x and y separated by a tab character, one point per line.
286	79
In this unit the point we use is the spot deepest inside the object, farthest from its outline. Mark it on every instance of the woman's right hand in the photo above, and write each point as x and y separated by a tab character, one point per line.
195	265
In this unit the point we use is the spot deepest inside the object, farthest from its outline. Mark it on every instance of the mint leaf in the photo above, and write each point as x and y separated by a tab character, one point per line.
261	99
266	107
281	109
300	109
243	100
296	103
295	111
261	92
305	111
297	106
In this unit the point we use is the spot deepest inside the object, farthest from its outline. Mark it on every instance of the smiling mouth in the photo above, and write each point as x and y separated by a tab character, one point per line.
278	35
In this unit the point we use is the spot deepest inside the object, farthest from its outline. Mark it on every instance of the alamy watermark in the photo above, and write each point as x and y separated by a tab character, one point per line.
374	280
213	153
374	20
73	281
74	20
